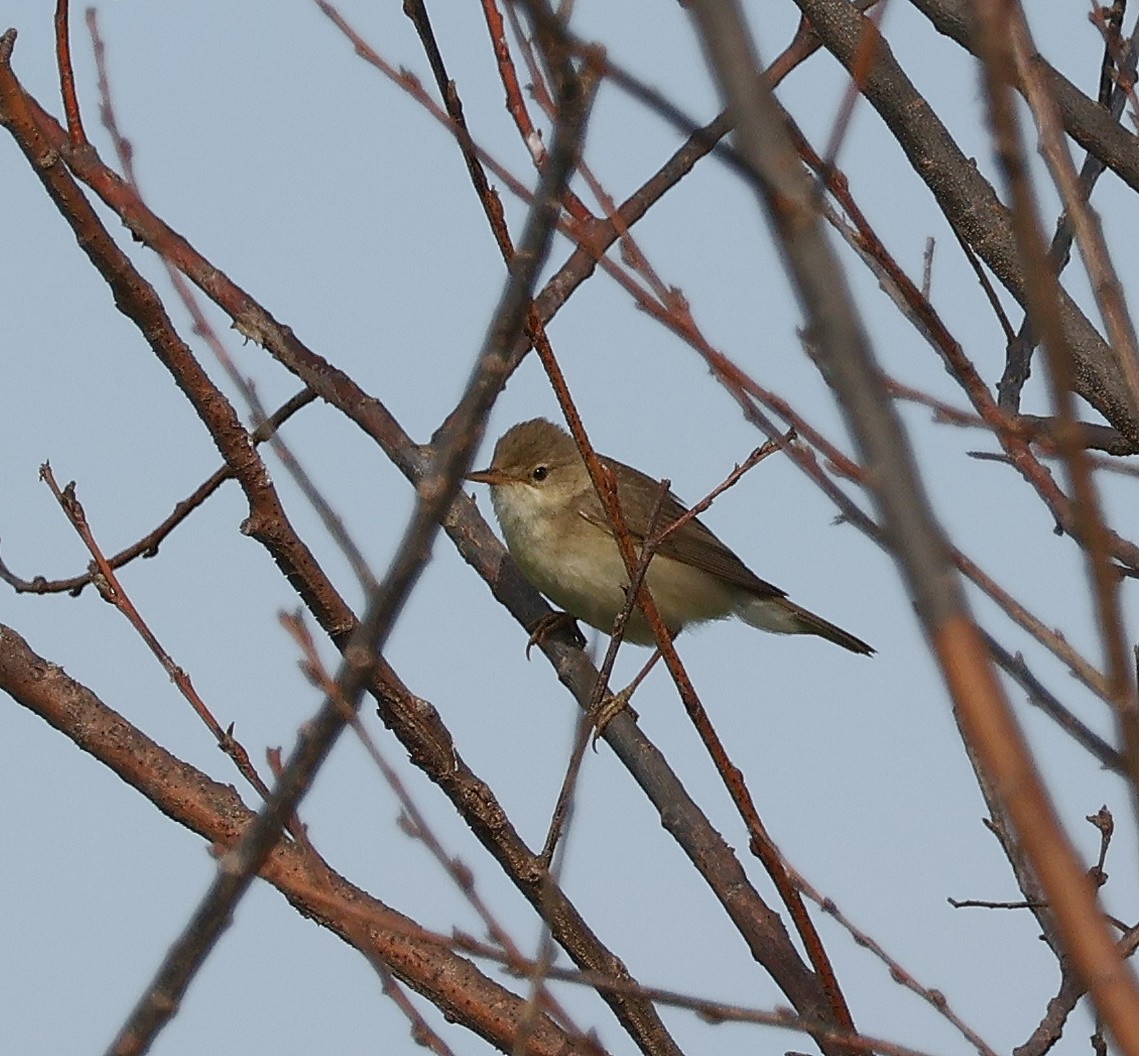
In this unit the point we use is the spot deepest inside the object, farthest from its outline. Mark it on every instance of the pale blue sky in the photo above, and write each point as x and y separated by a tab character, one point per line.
327	193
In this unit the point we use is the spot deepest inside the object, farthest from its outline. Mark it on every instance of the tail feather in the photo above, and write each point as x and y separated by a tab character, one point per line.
783	616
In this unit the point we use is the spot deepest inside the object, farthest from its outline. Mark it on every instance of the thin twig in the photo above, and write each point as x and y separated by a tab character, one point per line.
454	450
148	545
75	130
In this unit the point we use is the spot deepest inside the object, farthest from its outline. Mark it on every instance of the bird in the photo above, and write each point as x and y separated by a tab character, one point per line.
557	532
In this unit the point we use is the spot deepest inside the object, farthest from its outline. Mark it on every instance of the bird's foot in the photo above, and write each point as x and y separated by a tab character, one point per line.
612	704
548	624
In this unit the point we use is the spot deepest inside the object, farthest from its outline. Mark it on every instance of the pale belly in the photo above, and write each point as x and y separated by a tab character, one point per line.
582	572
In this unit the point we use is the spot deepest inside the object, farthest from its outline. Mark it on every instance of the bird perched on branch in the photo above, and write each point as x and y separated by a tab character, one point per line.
559	536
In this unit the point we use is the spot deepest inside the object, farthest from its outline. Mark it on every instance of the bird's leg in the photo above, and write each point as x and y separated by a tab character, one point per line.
548	624
612	705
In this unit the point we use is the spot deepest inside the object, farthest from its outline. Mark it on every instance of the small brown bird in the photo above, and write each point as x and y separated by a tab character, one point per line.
559	536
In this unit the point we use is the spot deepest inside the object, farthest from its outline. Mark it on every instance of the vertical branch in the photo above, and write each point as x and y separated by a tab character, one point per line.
848	363
966	198
997	38
76	134
454	449
1105	282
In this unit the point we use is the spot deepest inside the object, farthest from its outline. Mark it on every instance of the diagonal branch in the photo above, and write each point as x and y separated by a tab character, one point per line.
848	364
968	200
216	813
453	452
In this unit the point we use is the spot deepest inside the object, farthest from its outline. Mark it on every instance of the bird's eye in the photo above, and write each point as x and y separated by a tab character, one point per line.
540	473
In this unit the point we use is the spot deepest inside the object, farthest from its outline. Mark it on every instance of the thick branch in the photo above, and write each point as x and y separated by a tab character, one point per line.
848	363
1088	123
216	813
965	197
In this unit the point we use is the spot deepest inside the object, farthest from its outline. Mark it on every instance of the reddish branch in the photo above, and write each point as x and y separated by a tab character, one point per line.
761	844
999	34
66	76
112	591
969	201
849	364
417	725
340	391
215	812
148	545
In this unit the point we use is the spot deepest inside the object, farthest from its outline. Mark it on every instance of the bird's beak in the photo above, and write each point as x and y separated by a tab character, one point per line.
490	476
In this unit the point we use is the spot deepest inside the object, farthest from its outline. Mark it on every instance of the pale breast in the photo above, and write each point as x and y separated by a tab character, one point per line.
577	565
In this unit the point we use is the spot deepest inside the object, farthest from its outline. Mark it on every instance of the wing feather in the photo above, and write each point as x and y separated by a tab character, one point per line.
696	545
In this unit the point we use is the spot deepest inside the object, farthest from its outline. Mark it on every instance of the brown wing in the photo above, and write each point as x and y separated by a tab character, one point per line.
695	545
